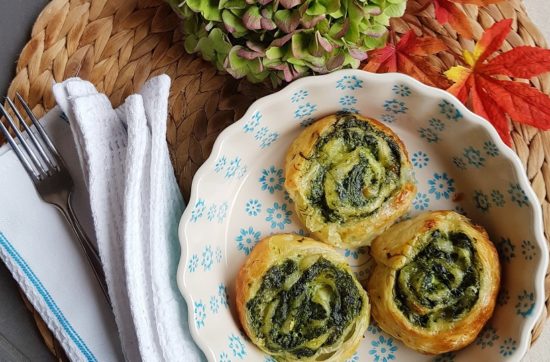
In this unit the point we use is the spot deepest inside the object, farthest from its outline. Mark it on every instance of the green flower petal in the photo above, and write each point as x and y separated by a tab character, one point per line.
284	39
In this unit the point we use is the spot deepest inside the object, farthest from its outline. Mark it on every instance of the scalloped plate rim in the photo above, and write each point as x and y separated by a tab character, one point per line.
427	91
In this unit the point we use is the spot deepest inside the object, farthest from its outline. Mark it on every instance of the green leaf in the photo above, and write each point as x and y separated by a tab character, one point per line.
375	10
274	53
190	44
395	10
331	33
298	45
323	26
316	8
252	18
233	24
208	9
355	16
296	61
375	30
374	43
220	42
332	6
287	20
206	47
232	4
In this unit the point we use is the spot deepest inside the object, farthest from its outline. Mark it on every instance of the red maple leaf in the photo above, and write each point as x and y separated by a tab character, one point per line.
409	56
493	98
446	11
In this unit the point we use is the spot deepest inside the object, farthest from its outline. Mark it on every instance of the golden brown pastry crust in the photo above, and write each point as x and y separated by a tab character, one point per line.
357	231
276	249
396	248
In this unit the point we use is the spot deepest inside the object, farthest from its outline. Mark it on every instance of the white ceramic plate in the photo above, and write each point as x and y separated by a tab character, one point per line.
460	164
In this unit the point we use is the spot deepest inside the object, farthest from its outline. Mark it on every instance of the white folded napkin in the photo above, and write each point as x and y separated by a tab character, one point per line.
40	250
136	206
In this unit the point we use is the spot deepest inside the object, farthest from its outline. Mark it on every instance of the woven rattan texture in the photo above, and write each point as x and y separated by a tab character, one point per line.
119	44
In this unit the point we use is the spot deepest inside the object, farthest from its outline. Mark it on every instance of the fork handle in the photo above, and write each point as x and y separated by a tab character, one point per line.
89	248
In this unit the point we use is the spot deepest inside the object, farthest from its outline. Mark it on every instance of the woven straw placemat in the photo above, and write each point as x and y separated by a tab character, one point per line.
119	44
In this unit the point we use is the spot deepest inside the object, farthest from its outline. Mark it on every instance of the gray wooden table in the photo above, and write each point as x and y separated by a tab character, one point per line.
19	337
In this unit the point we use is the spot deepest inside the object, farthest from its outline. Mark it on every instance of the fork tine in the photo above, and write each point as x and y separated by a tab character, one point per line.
24	144
39	128
33	138
26	164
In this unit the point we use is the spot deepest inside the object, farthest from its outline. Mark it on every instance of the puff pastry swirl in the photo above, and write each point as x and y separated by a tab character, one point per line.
435	282
350	178
298	300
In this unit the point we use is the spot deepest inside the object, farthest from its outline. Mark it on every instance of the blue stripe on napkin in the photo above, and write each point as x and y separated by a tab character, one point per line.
48	300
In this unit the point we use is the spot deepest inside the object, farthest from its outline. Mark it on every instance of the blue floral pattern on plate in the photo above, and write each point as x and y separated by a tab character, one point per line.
349	82
272	179
347	100
207	258
214	304
212	212
481	201
498	198
450	161
437	125
263	134
373	328
503	297
491	149
459	163
223	295
506	250
449	111
254	122
278	216
253	207
508	347
441	185
395	106
388	118
305	110
354	253
428	134
299	96
383	349
193	263
247	239
237	346
528	250
525	304
487	337
474	157
224	357
401	90
200	314
517	195
198	210
420	159
421	201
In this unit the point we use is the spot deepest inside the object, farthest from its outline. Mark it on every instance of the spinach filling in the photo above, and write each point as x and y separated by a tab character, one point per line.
299	311
441	283
353	170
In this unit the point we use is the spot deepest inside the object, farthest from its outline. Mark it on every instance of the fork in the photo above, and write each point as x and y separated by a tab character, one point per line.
51	179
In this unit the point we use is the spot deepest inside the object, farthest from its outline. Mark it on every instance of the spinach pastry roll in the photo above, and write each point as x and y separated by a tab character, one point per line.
350	178
435	282
298	300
